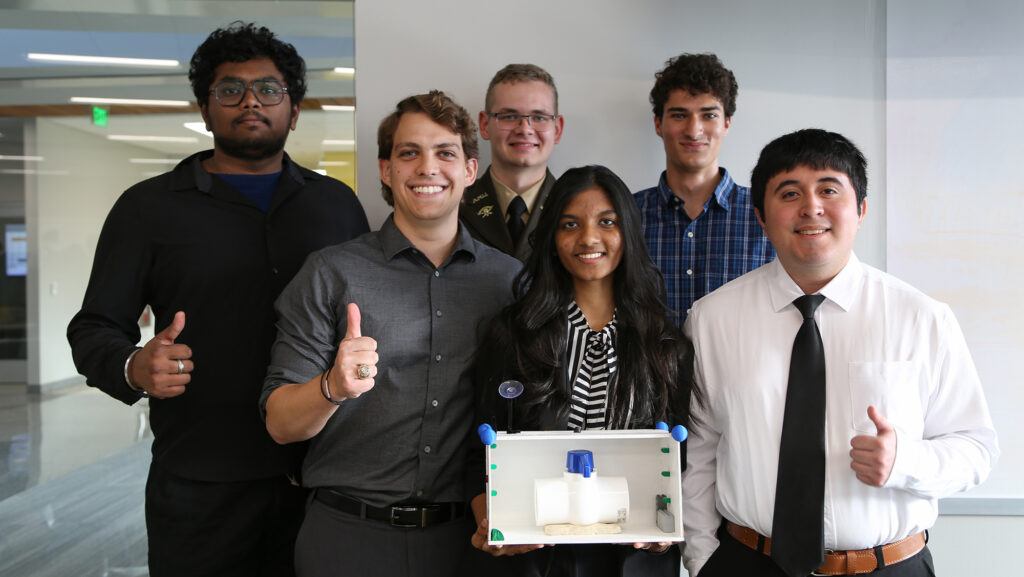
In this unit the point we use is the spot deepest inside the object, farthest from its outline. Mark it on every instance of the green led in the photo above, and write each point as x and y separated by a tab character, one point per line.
666	474
664	449
494	466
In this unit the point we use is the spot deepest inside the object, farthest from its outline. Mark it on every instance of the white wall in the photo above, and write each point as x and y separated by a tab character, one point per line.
955	98
603	55
64	214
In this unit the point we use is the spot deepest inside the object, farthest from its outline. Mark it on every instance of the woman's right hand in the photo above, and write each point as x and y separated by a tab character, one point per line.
479	539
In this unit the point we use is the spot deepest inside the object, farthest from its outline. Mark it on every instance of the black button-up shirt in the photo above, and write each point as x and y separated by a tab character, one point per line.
403	440
187	241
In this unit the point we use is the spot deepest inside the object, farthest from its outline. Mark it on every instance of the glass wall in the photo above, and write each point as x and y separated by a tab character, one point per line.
73	462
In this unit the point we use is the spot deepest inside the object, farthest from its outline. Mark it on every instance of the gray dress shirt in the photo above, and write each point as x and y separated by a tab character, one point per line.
405	439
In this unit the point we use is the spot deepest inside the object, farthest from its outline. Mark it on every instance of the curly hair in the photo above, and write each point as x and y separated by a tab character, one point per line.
441	109
696	74
240	42
814	148
514	73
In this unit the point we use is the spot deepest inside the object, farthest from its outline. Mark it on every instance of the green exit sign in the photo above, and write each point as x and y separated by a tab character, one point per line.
99	116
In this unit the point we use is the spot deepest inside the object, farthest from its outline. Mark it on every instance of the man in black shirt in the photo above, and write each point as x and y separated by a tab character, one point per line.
209	246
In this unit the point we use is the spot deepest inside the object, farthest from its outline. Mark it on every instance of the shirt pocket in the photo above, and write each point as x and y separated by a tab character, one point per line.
893	387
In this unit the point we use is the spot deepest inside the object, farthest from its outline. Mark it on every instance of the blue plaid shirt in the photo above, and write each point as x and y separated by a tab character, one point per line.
697	256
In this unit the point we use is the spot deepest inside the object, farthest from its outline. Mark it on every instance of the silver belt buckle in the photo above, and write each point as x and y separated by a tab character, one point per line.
827	553
394	516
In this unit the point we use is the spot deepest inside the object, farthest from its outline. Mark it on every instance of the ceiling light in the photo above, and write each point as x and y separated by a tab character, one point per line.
154	160
320	171
344	70
25	158
334	163
129	101
113	60
145	138
32	171
199	127
338	108
334	142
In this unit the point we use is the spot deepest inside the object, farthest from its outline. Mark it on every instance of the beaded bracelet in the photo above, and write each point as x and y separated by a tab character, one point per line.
325	388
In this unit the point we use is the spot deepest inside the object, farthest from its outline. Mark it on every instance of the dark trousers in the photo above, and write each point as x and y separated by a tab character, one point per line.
336	544
199	528
733	558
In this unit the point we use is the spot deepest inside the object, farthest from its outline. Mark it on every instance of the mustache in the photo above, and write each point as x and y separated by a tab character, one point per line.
250	115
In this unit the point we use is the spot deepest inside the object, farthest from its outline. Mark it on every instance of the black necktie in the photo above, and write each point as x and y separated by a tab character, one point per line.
797	532
515	218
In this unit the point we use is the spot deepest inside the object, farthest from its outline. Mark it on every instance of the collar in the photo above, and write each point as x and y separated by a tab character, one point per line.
841	290
578	320
189	173
506	194
720	196
394	243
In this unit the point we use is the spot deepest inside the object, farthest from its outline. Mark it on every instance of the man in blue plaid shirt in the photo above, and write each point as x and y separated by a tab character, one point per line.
699	224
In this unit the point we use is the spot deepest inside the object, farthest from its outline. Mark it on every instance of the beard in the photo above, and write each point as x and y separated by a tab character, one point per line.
250	148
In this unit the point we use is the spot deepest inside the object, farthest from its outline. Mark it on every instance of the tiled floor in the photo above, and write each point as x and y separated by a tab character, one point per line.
72	476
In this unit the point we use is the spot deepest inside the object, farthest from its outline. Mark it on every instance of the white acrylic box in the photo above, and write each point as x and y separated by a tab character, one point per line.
649	459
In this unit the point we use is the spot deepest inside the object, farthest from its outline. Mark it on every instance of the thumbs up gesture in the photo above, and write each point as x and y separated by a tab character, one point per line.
355	365
873	455
162	367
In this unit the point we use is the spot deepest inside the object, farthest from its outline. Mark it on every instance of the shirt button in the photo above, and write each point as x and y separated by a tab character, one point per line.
419	493
433	403
438	313
274	270
437	358
689	271
426	449
690	234
437	273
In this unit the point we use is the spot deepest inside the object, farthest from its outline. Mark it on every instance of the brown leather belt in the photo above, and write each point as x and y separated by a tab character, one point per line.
840	562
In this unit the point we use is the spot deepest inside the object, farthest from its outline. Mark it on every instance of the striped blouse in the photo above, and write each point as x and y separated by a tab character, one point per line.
592	370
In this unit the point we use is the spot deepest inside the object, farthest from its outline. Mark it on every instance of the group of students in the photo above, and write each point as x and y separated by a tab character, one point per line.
390	347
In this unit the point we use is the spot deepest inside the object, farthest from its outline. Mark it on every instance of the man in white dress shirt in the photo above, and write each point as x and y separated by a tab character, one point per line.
905	420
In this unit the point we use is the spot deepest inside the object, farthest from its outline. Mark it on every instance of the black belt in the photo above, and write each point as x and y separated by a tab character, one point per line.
418	515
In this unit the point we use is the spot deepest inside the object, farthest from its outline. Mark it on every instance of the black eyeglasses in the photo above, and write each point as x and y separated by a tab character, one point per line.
509	120
231	92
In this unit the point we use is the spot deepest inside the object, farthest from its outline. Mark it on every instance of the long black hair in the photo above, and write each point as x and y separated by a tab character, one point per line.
528	340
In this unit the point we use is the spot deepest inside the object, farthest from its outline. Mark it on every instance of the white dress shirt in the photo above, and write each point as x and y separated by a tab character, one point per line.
886	344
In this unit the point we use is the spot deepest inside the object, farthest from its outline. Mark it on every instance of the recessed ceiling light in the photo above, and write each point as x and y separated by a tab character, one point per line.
344	70
129	101
335	142
154	160
199	127
338	108
334	163
24	158
113	60
146	138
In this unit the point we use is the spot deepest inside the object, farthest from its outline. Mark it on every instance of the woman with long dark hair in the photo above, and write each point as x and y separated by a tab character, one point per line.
589	337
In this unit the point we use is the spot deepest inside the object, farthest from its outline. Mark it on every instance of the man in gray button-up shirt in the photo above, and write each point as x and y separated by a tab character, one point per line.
375	338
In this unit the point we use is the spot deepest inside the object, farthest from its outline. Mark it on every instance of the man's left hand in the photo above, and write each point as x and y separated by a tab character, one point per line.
873	455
